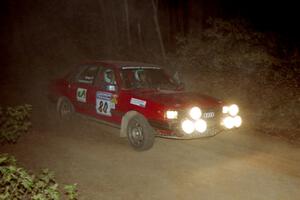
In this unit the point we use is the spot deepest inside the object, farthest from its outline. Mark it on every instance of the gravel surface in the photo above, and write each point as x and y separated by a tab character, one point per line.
240	164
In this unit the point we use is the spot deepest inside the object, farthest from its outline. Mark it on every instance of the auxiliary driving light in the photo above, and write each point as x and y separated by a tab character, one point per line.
201	125
188	126
230	122
233	110
237	121
225	109
195	113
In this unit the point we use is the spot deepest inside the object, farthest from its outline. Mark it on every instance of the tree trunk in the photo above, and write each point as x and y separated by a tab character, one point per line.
162	47
141	42
127	23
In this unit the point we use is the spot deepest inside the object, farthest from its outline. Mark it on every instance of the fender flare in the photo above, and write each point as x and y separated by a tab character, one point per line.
125	120
60	99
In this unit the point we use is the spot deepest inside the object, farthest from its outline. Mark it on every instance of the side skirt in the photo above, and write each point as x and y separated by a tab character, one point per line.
98	120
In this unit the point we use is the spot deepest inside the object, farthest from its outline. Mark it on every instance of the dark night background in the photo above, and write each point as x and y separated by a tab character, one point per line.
40	39
279	17
44	28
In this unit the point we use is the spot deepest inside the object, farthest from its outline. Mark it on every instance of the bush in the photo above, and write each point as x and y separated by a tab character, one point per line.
231	61
14	121
17	183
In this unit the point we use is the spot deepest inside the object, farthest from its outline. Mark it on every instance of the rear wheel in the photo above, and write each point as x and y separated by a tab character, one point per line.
140	134
65	109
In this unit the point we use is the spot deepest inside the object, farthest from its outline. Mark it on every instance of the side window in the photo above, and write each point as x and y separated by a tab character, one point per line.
107	79
87	75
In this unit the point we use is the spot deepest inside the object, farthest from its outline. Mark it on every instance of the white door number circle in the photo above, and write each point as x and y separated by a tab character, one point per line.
103	103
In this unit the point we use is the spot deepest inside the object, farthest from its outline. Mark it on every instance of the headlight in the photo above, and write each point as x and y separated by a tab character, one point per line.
171	114
201	126
188	126
195	113
233	110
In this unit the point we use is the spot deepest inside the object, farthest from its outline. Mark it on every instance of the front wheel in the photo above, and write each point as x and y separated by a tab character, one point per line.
140	134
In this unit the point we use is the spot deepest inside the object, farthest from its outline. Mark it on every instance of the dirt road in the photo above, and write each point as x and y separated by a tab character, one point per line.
237	165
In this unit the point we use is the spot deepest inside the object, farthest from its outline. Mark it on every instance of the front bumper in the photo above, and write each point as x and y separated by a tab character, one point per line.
214	119
173	130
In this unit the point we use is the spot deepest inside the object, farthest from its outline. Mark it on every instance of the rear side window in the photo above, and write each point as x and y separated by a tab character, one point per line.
87	75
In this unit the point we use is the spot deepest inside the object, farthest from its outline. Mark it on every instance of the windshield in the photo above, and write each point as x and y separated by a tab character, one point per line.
146	78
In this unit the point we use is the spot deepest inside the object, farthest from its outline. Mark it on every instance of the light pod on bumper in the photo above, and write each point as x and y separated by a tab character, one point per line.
237	121
195	113
188	126
231	122
228	122
233	110
201	125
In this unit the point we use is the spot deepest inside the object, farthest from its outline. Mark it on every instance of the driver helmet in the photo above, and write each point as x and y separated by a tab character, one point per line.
108	76
138	74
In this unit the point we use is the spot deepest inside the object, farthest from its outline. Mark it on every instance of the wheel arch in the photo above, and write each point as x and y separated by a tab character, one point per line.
125	120
60	99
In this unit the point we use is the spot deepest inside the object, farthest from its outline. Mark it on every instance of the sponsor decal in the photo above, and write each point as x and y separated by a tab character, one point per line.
114	101
138	102
81	94
104	103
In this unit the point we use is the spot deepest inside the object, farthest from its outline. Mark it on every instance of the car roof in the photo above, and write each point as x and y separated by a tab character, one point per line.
124	64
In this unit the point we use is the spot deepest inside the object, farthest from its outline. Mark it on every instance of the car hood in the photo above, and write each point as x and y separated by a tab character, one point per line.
178	99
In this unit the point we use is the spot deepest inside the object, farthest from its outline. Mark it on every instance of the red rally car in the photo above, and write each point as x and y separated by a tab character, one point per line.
142	100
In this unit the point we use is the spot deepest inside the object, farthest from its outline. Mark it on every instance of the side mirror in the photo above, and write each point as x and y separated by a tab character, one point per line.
176	78
111	88
180	86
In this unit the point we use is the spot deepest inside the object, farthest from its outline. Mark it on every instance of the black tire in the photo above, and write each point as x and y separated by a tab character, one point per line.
65	109
140	134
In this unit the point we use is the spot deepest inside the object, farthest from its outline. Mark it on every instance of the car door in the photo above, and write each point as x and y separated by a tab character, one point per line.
105	94
81	89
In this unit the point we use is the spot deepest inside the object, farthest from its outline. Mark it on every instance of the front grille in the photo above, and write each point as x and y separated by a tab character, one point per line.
207	114
212	116
173	127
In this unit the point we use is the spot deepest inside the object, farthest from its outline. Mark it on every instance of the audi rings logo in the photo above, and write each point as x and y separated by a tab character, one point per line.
208	115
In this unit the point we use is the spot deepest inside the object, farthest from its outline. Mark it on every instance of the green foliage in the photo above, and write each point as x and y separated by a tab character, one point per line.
231	61
71	191
14	121
224	46
17	183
